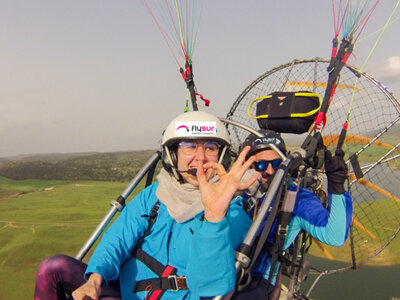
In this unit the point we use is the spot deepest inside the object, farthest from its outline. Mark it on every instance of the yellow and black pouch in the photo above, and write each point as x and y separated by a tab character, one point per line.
286	112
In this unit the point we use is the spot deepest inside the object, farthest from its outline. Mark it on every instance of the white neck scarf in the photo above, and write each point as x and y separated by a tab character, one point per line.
183	201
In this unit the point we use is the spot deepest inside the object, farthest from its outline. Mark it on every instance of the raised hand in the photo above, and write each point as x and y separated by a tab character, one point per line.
217	197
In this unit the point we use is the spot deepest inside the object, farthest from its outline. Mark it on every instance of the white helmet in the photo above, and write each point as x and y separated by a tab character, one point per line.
193	125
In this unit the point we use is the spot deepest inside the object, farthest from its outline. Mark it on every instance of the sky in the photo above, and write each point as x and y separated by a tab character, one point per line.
96	75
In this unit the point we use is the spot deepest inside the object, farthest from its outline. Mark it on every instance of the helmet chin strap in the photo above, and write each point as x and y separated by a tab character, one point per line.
221	157
171	163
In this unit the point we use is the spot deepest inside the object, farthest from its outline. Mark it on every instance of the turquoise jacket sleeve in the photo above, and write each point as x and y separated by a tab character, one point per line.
118	241
211	262
330	226
200	250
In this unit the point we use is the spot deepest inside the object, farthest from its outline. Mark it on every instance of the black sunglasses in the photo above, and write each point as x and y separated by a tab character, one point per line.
262	165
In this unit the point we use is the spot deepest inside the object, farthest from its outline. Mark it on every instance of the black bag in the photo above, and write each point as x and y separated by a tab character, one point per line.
287	112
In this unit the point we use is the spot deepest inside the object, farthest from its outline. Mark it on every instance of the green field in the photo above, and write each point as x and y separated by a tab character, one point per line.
43	218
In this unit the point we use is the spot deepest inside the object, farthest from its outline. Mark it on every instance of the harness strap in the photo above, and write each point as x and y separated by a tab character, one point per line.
167	279
152	219
172	282
267	228
284	218
154	265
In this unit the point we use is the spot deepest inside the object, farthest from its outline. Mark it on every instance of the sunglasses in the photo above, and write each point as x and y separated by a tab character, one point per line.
262	165
210	148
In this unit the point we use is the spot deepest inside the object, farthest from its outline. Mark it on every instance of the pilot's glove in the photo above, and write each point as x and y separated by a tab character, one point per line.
336	171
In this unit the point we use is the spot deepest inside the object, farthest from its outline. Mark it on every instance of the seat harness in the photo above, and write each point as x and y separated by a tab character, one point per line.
167	279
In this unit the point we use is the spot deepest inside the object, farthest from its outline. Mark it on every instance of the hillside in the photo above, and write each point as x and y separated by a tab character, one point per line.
3	161
50	157
109	166
112	166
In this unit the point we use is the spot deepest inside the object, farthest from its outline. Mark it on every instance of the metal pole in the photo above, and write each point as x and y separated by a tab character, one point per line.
118	205
262	214
242	259
256	133
242	254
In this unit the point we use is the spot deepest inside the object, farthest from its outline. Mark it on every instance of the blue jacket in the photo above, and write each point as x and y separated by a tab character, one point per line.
330	226
200	250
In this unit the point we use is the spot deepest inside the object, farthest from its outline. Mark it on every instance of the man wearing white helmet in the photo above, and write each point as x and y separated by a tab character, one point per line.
176	239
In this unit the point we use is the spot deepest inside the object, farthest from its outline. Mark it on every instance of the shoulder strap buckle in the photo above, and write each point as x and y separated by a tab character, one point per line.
177	283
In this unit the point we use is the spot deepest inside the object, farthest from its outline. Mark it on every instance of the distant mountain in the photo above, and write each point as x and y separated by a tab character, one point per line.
111	166
50	157
3	161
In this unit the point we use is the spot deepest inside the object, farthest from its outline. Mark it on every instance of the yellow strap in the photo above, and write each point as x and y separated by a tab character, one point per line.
250	105
294	115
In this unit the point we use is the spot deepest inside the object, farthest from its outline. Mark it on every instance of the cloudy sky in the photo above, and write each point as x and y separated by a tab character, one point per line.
96	75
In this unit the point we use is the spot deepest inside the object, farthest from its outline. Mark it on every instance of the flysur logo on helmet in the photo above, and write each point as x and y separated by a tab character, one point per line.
267	140
195	128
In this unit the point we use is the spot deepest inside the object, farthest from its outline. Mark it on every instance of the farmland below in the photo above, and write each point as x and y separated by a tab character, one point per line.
51	204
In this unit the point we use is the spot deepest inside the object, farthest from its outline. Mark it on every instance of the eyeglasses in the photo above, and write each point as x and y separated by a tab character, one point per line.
262	165
190	147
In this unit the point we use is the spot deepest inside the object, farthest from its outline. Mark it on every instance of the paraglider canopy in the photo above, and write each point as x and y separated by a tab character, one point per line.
178	21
